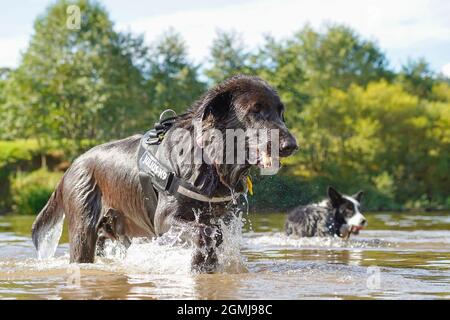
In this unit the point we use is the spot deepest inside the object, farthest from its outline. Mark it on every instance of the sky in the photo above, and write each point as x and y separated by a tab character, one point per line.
404	29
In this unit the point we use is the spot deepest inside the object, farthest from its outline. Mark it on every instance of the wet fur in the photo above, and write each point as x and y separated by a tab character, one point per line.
317	220
106	177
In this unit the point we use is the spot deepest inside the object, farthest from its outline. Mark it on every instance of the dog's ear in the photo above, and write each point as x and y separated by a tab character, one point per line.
358	196
218	105
101	223
335	196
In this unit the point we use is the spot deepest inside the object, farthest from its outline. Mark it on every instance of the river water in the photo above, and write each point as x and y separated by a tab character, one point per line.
399	256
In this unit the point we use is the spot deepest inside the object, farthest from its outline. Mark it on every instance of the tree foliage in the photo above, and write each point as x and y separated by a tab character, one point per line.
172	80
75	84
381	137
229	57
360	124
417	78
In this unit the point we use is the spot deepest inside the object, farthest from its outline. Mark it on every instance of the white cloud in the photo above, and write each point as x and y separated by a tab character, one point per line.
11	47
446	70
402	27
396	24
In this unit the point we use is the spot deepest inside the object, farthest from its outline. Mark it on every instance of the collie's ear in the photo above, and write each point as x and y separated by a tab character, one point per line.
217	105
335	196
358	196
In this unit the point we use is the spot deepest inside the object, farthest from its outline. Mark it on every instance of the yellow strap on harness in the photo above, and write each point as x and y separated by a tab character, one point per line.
250	185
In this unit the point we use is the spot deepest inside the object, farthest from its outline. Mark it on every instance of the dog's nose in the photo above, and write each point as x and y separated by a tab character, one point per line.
288	147
363	222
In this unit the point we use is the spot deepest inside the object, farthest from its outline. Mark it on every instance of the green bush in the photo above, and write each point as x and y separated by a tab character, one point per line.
13	151
31	191
23	156
375	200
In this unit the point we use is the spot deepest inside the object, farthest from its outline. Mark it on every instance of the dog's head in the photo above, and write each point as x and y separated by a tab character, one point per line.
250	105
348	216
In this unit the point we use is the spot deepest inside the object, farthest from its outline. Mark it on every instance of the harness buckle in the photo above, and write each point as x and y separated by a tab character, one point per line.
154	140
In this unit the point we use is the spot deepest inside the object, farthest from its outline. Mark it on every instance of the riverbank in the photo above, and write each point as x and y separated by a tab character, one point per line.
28	174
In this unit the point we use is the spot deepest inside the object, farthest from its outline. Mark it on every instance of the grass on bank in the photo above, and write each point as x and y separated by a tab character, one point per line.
31	191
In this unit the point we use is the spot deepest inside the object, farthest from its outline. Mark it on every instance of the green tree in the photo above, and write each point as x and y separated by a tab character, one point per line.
76	85
278	62
4	73
339	57
172	80
437	133
380	137
441	91
310	63
417	78
229	57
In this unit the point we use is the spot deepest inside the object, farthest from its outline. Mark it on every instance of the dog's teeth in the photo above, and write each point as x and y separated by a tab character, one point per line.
266	160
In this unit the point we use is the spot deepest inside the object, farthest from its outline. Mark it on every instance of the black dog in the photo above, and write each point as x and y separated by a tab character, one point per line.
338	216
107	177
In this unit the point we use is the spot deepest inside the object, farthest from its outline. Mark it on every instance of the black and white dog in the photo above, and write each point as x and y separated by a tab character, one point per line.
339	215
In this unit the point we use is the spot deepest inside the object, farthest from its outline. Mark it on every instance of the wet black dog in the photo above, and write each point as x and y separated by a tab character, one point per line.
106	177
338	216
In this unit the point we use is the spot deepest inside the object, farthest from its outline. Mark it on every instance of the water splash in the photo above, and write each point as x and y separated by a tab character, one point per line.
49	241
278	239
247	211
172	252
229	252
164	255
234	195
197	213
114	250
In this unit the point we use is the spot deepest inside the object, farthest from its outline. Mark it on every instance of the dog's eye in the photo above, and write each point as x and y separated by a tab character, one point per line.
349	212
257	108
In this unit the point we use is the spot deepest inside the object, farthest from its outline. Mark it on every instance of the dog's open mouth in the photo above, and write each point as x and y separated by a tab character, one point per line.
265	160
356	229
352	230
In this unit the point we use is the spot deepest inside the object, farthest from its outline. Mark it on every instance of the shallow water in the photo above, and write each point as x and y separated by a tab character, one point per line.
399	256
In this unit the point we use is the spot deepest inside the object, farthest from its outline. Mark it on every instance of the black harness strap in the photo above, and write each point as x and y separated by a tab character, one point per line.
157	177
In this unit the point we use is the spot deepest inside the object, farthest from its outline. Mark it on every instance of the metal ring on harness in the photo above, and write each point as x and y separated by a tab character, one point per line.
156	135
161	117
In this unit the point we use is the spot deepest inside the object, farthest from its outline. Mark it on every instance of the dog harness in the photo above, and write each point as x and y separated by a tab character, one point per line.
157	177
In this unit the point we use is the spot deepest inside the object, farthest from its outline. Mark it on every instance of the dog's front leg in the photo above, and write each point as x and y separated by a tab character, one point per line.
199	231
206	240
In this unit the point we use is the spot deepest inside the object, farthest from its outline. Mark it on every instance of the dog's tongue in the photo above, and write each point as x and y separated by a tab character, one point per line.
356	229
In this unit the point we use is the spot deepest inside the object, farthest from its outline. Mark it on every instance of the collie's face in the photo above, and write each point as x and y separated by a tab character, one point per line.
348	210
352	215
